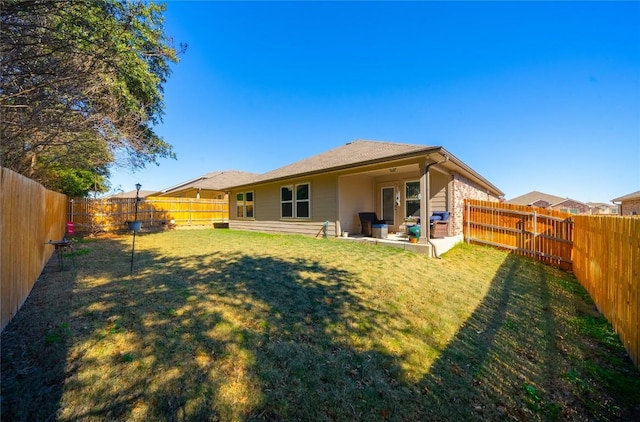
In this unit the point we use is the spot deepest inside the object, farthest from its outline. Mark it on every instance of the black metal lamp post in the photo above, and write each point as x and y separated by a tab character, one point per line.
136	224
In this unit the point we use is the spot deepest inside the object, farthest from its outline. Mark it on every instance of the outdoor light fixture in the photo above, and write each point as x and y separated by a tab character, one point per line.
136	224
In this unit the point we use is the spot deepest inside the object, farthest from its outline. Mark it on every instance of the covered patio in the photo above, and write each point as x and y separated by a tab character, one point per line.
433	248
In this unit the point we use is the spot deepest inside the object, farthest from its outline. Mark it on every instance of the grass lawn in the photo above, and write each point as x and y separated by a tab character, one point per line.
228	325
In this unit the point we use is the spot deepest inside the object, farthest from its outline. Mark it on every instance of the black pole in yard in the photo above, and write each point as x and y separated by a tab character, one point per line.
135	219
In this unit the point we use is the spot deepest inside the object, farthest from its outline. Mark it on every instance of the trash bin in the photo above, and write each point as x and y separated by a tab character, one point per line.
379	231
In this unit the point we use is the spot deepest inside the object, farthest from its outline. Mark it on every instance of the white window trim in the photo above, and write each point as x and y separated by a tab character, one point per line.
406	199
244	205
291	187
294	201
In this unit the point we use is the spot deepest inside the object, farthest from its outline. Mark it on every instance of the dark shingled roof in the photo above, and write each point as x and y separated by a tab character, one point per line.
531	197
217	180
354	153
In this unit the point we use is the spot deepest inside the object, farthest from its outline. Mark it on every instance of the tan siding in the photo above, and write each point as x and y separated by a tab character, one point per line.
439	184
267	199
212	194
193	193
357	194
324	198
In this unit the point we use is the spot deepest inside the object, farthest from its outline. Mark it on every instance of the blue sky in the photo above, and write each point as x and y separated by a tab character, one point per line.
534	96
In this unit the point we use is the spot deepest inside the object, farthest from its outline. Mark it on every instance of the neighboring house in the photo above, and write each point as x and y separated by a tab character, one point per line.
601	208
544	200
535	199
393	180
571	206
131	194
209	186
629	204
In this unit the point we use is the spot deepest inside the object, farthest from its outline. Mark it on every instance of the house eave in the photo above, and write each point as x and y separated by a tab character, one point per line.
630	197
355	167
351	166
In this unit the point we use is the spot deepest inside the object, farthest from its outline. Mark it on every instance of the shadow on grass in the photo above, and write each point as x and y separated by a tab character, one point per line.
34	347
520	357
228	336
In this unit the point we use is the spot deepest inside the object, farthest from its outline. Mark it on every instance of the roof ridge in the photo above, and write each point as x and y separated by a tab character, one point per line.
395	144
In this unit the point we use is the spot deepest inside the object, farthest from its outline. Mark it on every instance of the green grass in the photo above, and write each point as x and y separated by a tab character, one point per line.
226	325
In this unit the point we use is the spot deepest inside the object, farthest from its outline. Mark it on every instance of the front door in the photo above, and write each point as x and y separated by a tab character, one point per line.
388	203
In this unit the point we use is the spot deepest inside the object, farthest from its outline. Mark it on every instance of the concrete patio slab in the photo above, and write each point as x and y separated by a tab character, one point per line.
436	248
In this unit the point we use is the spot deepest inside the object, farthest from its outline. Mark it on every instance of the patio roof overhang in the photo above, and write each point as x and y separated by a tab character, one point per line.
406	162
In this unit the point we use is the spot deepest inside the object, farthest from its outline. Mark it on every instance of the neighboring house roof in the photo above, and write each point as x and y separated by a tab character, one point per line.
570	201
535	198
601	205
628	197
363	152
131	194
217	181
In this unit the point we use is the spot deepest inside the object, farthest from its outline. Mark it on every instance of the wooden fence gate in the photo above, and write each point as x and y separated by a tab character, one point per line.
545	235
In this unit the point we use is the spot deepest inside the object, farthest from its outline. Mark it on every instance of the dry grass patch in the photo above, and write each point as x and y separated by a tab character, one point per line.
225	325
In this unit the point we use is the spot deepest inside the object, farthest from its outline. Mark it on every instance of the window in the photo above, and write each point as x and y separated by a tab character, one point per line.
302	201
295	201
248	205
412	199
286	202
240	205
244	205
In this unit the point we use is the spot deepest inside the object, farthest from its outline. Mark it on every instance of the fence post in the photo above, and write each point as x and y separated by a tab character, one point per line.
535	220
468	205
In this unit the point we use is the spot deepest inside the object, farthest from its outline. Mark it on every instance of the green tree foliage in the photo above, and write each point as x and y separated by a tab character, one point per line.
81	89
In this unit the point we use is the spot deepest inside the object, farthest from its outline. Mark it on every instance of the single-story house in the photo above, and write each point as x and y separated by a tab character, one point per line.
535	199
397	182
601	208
544	200
571	206
209	186
131	194
629	204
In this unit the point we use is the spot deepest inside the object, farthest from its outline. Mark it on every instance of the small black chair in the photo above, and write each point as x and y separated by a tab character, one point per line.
367	219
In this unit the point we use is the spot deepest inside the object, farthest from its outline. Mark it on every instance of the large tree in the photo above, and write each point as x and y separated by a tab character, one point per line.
81	88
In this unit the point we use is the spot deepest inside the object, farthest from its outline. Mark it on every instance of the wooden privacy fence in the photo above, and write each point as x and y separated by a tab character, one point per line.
602	251
96	215
530	231
30	216
606	261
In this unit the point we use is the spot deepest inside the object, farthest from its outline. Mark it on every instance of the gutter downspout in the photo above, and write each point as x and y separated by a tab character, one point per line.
427	207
